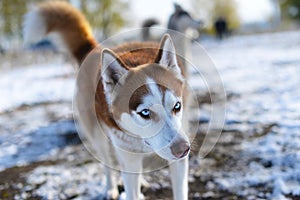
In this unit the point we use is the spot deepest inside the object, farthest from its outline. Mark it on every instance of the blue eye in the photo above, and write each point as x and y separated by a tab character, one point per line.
145	113
177	107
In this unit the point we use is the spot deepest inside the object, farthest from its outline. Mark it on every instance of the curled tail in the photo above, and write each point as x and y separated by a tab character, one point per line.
59	18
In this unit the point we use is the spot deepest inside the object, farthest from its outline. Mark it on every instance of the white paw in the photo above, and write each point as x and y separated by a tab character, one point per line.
144	183
112	194
142	197
123	196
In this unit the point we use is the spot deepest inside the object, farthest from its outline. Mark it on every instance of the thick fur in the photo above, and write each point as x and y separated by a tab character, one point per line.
137	102
60	19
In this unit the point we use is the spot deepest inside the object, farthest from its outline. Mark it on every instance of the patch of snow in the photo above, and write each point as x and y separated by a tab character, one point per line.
265	71
36	84
68	181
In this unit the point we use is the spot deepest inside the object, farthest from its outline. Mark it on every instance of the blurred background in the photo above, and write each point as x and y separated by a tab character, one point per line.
110	16
256	54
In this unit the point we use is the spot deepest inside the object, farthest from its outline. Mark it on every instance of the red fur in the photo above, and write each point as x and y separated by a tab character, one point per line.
61	17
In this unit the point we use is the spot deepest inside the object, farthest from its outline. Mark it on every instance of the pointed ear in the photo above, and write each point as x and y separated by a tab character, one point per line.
166	55
112	71
113	67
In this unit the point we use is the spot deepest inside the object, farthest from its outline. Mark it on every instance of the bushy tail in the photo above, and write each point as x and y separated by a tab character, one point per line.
59	18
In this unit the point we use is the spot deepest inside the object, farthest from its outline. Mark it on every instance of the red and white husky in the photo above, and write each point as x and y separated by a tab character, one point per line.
139	100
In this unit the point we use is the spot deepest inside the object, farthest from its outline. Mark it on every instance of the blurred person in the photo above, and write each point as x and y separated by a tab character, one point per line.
221	28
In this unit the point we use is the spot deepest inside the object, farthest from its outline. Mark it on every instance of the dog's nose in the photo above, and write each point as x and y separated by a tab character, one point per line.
180	149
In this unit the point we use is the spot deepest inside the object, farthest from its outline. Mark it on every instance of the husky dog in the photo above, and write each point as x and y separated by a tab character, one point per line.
179	21
139	100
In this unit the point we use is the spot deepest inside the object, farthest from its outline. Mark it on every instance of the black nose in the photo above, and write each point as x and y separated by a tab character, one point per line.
180	149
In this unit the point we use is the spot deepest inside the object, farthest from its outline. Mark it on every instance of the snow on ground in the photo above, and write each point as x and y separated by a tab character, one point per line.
51	87
22	148
263	73
35	84
65	181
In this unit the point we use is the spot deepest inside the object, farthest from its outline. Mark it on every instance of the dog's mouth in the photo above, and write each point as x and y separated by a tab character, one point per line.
176	150
185	153
181	152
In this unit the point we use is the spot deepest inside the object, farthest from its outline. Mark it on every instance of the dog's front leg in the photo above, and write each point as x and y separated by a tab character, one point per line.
132	185
111	190
179	177
131	165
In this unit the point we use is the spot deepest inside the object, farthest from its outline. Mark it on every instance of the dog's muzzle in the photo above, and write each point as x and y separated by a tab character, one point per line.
180	149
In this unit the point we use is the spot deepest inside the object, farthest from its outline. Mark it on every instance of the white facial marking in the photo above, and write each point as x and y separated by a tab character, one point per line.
155	93
170	99
158	134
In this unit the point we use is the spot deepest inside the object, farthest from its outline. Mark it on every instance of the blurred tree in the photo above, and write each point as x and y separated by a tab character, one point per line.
290	8
11	15
228	10
209	11
203	10
106	16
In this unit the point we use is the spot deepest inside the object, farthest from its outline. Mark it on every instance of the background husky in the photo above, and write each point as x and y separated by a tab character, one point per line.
139	99
179	22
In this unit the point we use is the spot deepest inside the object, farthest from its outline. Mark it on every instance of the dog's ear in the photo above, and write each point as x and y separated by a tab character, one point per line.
113	67
166	55
112	70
